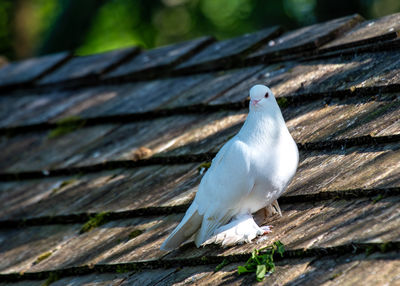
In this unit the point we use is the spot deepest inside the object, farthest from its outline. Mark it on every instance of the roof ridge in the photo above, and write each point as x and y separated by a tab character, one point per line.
388	44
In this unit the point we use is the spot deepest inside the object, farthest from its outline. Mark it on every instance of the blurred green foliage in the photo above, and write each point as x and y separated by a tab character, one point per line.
29	27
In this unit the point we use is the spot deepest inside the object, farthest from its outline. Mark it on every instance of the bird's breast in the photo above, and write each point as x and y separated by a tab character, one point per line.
273	168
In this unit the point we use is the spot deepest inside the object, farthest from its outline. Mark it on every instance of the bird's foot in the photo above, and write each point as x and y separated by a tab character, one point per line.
242	229
267	229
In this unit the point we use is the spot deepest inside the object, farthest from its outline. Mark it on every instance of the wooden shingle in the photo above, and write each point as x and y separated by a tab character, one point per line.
223	53
92	66
307	38
159	59
367	32
96	170
26	71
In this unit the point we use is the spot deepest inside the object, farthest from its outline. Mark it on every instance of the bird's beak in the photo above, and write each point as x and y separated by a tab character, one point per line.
254	101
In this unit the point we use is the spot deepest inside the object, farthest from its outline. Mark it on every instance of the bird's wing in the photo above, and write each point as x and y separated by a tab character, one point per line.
225	185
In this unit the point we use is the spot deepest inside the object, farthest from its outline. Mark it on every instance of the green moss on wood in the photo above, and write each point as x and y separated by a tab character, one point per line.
135	233
222	265
282	102
384	247
53	277
122	269
370	249
203	167
95	221
377	198
334	276
63	184
380	111
66	125
42	257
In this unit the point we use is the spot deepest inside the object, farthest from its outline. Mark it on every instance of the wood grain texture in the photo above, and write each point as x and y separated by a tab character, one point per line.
303	39
343	109
159	59
172	185
308	226
26	71
225	53
368	32
91	66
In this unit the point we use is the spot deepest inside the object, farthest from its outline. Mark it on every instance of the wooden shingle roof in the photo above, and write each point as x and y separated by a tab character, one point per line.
119	144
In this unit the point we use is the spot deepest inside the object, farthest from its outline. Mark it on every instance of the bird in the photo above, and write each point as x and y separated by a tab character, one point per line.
248	174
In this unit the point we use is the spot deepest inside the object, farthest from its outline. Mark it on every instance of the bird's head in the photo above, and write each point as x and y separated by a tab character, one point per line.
261	98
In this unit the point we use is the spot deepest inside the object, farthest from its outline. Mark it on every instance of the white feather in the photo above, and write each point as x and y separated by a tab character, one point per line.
249	173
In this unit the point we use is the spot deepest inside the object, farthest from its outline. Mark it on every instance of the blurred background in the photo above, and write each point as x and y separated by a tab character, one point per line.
37	27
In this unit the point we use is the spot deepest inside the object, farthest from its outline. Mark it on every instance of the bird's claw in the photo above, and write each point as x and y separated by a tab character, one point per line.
267	229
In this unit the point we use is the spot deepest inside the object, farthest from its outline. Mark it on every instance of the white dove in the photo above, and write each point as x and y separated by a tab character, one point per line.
248	174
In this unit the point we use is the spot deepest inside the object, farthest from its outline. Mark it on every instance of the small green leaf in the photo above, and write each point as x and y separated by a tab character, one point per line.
260	273
262	260
280	247
242	269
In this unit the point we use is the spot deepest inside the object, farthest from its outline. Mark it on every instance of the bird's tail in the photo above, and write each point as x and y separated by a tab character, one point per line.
190	223
209	225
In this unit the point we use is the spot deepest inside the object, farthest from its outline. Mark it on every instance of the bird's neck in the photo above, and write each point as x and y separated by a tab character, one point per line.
261	128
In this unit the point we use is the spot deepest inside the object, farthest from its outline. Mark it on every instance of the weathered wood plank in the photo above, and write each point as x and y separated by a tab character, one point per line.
175	135
22	109
311	122
125	98
31	108
217	85
368	32
20	248
173	185
160	59
46	150
195	134
148	96
285	272
331	76
304	39
91	66
364	74
109	279
123	240
26	71
117	142
315	225
226	53
331	270
338	270
343	119
353	270
106	191
308	225
346	169
24	283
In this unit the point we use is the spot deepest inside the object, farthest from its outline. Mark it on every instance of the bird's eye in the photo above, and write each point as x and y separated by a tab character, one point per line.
266	95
